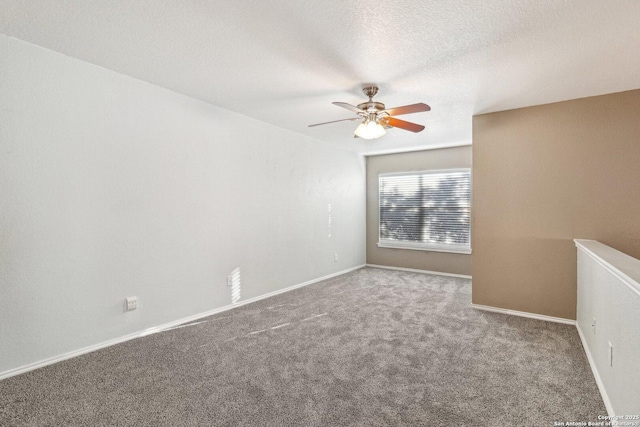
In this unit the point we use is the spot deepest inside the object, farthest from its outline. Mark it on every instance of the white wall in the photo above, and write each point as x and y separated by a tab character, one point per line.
111	187
609	293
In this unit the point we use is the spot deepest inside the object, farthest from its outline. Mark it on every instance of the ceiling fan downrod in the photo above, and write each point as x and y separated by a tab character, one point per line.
371	106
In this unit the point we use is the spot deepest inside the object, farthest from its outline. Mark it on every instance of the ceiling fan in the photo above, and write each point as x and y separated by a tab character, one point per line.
375	118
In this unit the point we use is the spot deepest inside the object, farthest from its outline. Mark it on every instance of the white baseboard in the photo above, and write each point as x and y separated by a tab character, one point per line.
155	329
413	270
524	314
596	374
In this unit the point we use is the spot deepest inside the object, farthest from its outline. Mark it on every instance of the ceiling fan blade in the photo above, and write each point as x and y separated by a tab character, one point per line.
397	123
334	121
348	107
408	109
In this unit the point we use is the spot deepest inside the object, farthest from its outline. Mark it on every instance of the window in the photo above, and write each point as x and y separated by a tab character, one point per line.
426	210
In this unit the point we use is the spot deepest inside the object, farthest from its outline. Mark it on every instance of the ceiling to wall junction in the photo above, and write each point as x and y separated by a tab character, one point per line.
285	61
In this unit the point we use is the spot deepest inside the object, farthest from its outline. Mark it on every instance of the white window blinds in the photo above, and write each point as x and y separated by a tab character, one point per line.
426	210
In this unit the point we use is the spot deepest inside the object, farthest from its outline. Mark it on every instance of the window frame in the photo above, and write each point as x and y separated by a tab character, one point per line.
419	246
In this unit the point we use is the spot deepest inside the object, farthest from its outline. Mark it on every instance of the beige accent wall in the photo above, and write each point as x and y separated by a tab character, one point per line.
543	176
445	158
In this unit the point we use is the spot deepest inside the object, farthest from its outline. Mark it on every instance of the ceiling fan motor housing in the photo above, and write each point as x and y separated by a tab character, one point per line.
371	106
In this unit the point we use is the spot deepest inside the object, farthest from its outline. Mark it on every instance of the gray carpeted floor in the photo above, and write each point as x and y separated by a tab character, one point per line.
371	348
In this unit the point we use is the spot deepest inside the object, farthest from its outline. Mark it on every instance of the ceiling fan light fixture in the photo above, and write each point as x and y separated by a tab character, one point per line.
370	129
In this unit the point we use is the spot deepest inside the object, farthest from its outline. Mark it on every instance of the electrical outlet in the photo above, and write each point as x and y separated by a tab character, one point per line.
335	257
131	303
610	354
593	325
229	281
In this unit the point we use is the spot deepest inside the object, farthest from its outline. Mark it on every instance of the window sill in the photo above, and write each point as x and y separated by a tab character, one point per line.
419	247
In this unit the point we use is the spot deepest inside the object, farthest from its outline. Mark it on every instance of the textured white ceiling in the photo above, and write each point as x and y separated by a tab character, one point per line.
285	61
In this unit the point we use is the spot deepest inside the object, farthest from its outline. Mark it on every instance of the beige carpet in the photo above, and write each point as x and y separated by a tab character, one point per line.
371	348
